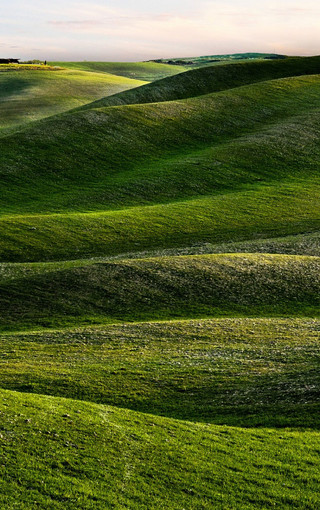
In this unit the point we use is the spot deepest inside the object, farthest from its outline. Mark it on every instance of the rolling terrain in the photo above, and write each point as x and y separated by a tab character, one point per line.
29	93
143	71
159	286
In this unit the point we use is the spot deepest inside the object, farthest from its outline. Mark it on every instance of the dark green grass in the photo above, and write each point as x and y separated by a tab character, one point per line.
29	95
206	80
71	293
144	71
67	454
243	372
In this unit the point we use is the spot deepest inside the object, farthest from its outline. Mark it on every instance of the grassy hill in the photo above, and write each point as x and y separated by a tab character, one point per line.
143	71
216	168
60	294
213	78
217	59
159	286
27	95
65	453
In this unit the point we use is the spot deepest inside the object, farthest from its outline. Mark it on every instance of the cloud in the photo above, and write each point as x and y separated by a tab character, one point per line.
68	30
116	22
77	24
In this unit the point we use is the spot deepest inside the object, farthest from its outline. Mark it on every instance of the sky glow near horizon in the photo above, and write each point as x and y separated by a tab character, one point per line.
140	29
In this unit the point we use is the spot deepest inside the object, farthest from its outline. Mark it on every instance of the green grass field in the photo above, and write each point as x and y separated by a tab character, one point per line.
143	71
159	285
28	94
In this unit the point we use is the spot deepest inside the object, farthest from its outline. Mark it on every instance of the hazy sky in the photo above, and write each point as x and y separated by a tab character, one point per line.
145	29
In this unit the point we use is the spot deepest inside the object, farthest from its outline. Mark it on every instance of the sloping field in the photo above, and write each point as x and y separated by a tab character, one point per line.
144	71
66	454
59	294
27	95
159	287
236	371
218	168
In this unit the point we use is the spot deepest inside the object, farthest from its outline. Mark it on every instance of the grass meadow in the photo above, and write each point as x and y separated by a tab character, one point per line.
159	285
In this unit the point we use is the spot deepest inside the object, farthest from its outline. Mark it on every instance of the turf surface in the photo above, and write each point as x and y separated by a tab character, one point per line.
159	286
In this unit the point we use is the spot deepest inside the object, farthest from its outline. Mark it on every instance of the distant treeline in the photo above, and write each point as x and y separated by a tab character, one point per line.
217	58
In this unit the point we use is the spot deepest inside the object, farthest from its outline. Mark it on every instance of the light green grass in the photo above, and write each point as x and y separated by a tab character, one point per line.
27	94
61	453
243	372
143	71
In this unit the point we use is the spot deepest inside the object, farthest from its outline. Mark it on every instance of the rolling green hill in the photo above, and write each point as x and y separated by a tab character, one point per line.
212	78
61	294
164	175
62	453
143	71
159	286
28	95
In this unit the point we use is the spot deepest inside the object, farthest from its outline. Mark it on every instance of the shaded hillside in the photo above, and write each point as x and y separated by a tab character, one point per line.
214	79
213	285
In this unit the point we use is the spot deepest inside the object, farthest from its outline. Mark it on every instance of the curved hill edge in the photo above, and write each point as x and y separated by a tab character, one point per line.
145	154
264	212
66	451
206	80
223	285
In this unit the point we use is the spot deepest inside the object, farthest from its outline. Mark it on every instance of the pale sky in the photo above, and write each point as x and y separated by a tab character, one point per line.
145	29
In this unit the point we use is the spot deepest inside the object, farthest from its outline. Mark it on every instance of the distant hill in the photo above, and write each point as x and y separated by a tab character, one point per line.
210	59
143	71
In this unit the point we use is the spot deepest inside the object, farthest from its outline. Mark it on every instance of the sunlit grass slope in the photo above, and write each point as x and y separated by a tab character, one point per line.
113	157
144	71
28	95
71	293
264	213
243	372
59	453
223	167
